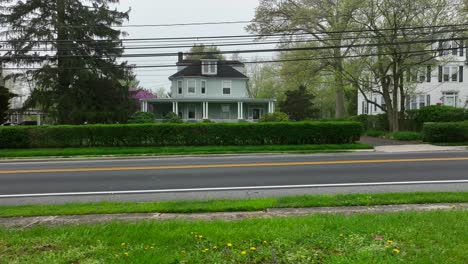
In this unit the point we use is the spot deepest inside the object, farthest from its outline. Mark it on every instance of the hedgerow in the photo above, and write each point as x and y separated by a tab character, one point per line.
452	132
165	134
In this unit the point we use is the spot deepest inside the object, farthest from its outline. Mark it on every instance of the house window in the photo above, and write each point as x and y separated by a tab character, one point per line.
203	87
227	87
428	99
446	74
209	67
422	101
454	73
179	87
414	104
191	84
382	103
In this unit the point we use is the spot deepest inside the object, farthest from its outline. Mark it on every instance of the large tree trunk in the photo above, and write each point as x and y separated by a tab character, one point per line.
340	109
62	71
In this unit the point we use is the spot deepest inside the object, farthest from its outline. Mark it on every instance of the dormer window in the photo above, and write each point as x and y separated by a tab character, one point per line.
209	67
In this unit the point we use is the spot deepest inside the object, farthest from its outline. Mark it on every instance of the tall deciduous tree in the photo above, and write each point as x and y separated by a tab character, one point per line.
299	104
72	42
200	51
402	36
323	20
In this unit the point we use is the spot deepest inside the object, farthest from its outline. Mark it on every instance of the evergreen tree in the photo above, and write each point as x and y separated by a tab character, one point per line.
69	43
299	105
5	97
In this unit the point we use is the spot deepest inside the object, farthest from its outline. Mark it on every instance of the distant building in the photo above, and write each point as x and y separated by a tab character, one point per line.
212	89
443	82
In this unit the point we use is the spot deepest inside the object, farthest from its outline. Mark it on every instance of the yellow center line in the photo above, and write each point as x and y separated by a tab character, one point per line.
234	165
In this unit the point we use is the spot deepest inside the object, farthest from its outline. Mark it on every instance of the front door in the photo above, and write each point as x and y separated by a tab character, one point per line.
256	114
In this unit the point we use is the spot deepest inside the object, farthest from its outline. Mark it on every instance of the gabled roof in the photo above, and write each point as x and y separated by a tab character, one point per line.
194	69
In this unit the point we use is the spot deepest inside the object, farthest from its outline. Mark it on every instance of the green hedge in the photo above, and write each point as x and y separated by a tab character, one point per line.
180	135
452	132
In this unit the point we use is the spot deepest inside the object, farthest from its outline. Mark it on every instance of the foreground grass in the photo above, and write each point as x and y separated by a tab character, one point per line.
128	151
234	205
410	237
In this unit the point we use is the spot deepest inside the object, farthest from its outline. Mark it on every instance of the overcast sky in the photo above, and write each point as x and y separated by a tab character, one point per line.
181	11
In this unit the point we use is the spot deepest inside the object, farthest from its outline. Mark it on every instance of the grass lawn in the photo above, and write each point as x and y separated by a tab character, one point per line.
129	151
410	237
234	205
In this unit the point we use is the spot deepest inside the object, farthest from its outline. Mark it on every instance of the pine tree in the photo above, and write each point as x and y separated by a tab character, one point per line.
68	43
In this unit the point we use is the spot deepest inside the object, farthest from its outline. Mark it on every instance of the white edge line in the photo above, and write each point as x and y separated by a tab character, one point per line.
231	189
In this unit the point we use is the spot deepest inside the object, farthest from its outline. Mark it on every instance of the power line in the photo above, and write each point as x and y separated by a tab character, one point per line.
247	36
421	41
422	52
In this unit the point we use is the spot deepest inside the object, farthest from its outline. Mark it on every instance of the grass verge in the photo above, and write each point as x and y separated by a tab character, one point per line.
410	237
402	135
234	205
132	151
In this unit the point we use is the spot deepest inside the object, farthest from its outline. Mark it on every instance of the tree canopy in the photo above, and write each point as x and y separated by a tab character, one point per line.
68	44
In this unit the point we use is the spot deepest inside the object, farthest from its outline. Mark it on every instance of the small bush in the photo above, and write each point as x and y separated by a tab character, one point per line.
142	118
173	118
275	117
406	136
450	132
207	121
188	134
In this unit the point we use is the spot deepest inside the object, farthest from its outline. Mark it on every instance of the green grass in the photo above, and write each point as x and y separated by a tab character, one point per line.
375	133
234	205
410	237
129	151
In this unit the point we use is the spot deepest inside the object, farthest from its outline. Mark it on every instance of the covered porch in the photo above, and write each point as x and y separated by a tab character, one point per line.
221	110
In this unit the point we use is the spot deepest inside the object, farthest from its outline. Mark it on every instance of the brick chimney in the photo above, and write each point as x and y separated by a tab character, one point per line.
181	56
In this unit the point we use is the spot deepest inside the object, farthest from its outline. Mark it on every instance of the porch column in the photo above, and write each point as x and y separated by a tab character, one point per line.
271	107
240	110
175	107
39	119
205	110
143	106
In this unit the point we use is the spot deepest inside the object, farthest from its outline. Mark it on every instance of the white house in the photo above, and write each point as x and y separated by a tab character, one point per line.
441	83
210	89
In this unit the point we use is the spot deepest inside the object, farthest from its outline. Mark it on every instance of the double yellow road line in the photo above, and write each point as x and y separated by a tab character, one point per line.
234	165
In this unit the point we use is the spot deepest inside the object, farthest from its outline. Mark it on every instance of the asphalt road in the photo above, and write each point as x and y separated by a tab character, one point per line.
228	173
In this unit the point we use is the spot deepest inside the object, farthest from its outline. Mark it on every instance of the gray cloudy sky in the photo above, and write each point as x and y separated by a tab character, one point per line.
181	11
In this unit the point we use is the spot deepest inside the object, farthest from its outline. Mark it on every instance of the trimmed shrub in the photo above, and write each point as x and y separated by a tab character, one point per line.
181	135
275	117
449	132
439	113
141	118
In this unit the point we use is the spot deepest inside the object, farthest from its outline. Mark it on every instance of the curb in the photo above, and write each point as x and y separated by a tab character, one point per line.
28	222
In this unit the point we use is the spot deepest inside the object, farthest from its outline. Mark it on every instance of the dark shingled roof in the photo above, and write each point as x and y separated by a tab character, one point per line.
225	70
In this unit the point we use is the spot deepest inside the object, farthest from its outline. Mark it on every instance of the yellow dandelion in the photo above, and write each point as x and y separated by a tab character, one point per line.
229	244
183	252
200	236
387	246
123	244
243	253
389	241
215	247
265	242
396	250
341	235
126	254
205	250
152	247
253	248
